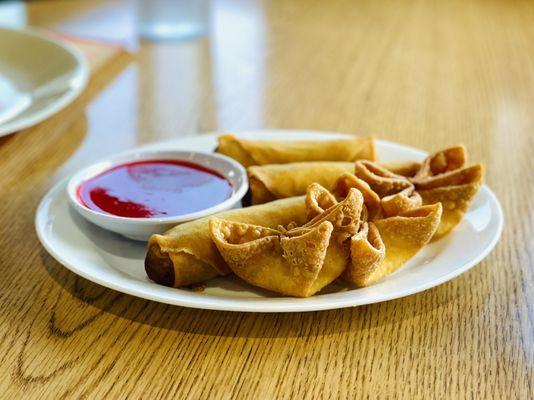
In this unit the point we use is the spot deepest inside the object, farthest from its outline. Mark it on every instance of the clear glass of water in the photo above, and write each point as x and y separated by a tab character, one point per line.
173	19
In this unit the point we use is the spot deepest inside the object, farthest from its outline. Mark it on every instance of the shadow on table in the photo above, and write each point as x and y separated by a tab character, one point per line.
5	139
233	324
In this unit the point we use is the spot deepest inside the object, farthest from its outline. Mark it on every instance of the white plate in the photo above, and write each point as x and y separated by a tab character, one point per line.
115	262
38	77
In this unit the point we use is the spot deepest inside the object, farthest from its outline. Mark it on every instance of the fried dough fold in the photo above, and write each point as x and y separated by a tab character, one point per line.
445	177
298	261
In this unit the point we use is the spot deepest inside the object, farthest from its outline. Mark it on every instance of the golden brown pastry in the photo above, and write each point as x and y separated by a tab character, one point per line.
278	181
386	194
382	181
286	264
296	262
319	199
345	217
387	244
336	241
186	255
262	152
382	246
444	177
403	168
368	252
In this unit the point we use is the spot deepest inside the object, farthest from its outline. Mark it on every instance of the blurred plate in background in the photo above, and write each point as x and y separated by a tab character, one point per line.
38	77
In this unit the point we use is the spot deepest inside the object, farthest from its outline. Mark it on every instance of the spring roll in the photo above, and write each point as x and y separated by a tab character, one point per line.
279	181
262	152
186	255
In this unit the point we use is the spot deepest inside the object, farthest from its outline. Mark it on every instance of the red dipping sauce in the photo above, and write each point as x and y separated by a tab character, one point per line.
154	188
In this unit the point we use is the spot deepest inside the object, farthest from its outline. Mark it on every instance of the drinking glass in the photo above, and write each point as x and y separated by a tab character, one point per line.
173	19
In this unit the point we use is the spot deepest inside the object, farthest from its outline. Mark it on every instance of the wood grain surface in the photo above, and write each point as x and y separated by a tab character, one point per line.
423	73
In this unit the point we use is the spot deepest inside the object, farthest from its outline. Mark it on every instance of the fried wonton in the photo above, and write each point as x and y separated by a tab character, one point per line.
386	193
404	168
262	152
444	177
270	259
384	245
296	262
382	181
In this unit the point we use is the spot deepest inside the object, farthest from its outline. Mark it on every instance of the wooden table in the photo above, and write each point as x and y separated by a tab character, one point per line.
423	73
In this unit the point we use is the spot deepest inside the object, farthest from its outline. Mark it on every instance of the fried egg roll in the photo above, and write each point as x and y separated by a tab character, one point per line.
262	152
278	181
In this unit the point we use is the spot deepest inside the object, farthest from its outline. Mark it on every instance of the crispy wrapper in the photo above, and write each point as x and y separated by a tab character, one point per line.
337	241
262	152
387	244
318	200
269	259
368	252
444	177
386	193
297	262
384	245
382	181
278	181
407	169
186	254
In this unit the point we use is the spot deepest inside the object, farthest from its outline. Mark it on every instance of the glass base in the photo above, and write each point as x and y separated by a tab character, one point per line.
181	31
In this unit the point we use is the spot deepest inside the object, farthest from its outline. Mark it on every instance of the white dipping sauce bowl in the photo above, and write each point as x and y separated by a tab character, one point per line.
142	228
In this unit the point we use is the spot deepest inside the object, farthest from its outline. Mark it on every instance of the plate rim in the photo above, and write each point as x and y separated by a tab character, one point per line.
275	304
11	126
